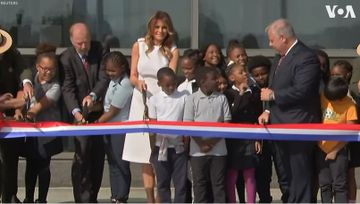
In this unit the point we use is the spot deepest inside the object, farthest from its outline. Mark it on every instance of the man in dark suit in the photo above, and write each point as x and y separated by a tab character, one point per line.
84	85
293	97
14	74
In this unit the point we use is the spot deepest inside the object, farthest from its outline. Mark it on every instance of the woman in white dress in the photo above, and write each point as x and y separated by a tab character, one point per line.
156	50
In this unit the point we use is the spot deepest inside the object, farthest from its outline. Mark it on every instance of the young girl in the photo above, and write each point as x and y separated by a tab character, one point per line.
236	53
43	107
343	69
245	107
223	83
213	57
116	108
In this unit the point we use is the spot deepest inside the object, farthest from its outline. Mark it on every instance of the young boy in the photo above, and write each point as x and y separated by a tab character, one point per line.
343	69
332	157
169	156
208	155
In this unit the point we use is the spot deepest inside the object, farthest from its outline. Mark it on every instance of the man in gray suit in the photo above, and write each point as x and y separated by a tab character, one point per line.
84	83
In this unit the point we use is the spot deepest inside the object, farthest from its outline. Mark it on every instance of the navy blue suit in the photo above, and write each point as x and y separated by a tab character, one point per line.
295	83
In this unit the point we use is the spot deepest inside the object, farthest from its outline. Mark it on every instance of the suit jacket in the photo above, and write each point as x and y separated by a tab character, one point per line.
296	87
76	81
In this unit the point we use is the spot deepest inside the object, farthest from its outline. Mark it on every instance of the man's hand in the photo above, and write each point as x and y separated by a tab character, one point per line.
5	97
264	118
28	90
88	101
358	85
15	103
267	94
79	117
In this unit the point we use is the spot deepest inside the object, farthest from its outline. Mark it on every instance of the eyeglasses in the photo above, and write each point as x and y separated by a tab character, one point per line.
46	69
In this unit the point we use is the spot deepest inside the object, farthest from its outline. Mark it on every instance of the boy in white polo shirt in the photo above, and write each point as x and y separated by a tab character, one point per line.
169	156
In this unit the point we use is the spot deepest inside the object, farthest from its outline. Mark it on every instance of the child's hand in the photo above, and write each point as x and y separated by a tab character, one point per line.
258	147
331	155
18	115
205	147
242	88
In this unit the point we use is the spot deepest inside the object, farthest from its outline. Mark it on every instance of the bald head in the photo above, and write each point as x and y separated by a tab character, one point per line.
80	37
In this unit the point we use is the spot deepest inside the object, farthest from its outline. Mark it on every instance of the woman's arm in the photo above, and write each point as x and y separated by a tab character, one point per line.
139	84
174	60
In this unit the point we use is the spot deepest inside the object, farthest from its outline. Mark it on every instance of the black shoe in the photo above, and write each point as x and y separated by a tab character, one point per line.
27	200
40	201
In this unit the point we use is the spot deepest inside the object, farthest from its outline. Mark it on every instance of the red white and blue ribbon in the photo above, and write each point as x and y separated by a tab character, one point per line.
308	132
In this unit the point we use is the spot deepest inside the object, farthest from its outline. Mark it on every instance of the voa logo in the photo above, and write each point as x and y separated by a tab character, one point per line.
336	11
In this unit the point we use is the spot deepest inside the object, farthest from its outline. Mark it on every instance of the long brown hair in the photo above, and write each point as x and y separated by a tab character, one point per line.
169	39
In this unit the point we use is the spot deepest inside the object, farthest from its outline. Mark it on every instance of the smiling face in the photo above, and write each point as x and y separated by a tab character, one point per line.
238	55
212	56
113	70
160	31
46	68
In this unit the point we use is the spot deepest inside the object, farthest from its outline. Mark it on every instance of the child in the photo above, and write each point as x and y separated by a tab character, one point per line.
44	107
116	109
332	157
213	57
259	68
236	53
245	107
223	83
343	69
169	156
207	155
189	63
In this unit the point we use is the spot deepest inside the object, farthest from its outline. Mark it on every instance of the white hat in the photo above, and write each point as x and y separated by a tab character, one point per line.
5	41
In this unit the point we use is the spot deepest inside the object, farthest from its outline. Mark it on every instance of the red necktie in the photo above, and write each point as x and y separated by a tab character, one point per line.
85	62
279	62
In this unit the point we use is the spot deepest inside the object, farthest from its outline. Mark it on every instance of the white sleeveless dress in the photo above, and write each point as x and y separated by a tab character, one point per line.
137	145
